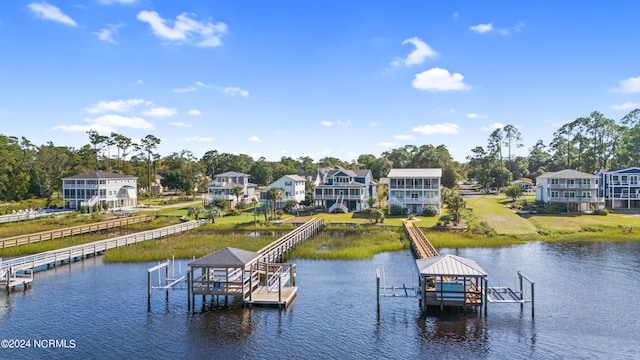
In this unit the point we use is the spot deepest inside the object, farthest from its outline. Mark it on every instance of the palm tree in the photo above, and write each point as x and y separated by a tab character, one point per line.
237	192
455	204
274	194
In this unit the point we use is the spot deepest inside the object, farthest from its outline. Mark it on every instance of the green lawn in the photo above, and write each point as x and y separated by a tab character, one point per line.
502	219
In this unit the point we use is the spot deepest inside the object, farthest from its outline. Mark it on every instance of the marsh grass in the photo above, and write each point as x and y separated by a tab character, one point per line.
350	244
52	222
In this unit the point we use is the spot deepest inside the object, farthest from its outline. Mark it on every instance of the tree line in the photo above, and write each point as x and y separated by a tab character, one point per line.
586	144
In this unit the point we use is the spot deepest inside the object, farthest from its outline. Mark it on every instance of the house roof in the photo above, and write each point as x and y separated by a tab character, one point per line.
567	174
227	257
623	171
101	175
522	182
231	173
415	173
449	265
294	177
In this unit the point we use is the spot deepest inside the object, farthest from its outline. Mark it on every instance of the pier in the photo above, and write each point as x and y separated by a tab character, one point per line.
51	258
258	278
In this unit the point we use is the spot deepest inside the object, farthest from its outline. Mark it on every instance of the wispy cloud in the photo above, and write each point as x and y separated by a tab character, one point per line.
488	28
446	128
476	116
194	112
626	106
184	30
254	138
326	123
438	79
404	137
492	127
124	2
232	90
106	34
417	56
119	121
630	85
373	124
160	112
180	124
343	123
50	12
84	128
121	106
198	139
184	90
201	84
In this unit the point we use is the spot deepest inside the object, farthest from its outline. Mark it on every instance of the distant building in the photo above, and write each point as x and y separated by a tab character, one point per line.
117	191
293	187
223	184
345	190
414	189
525	184
620	188
574	190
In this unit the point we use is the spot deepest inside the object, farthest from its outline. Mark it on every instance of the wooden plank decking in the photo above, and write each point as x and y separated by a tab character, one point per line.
262	296
422	248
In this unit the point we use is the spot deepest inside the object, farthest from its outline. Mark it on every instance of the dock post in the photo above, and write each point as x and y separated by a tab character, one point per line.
189	290
292	270
280	290
378	287
166	281
532	307
149	289
521	291
486	284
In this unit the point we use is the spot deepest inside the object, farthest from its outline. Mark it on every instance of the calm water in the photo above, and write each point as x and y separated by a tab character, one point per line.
586	307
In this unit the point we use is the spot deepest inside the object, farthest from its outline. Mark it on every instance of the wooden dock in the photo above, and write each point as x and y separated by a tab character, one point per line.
420	245
71	231
72	253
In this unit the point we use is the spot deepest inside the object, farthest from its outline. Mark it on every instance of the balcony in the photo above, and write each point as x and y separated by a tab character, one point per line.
336	196
626	196
576	199
418	200
414	187
574	186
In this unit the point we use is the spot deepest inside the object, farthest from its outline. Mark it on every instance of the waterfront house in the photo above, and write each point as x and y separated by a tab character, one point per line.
100	187
345	190
525	184
573	190
620	188
293	187
222	188
414	189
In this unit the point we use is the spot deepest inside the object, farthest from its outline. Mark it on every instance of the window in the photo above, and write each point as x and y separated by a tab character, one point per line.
586	181
633	179
103	182
554	181
342	180
615	178
570	194
586	194
625	179
414	195
400	182
571	182
80	182
554	194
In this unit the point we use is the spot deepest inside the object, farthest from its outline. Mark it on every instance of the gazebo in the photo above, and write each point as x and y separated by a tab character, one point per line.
450	280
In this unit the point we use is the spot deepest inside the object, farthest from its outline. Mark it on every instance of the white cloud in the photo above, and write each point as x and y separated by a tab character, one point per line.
199	139
626	106
404	137
180	124
50	12
386	144
254	139
201	84
160	112
106	34
184	90
492	127
373	124
139	82
438	79
343	123
231	90
121	121
446	128
326	123
417	56
630	85
482	28
184	29
84	128
194	112
116	106
476	116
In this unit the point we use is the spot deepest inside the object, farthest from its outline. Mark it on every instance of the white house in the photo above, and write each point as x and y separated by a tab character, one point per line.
572	189
525	184
293	189
415	189
222	187
117	191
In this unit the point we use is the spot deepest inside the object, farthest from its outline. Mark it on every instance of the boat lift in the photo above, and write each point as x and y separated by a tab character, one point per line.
169	281
505	295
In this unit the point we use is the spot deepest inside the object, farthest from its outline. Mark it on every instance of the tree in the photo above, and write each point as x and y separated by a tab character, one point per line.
632	122
123	144
210	161
513	191
495	150
237	192
377	214
371	201
456	203
512	136
97	141
274	194
148	145
50	165
181	172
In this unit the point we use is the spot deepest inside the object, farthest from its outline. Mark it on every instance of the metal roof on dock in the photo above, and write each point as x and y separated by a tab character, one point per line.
227	257
449	265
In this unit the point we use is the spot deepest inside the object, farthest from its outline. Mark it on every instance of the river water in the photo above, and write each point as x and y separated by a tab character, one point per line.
586	300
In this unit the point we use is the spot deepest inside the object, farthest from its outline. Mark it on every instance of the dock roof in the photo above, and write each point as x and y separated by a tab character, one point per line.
227	257
449	265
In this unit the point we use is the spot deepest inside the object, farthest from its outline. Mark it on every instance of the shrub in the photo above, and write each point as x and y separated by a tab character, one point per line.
411	217
482	228
279	213
233	212
445	219
242	205
397	210
430	211
603	212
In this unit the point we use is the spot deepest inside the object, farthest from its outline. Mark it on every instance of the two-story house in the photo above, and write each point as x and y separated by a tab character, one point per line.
414	189
620	188
100	187
345	190
293	187
223	185
574	190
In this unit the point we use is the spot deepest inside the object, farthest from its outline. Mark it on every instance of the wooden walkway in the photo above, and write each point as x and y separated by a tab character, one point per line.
71	231
420	245
276	250
91	249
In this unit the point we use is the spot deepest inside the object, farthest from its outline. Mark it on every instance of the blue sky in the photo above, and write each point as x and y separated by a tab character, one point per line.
316	78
